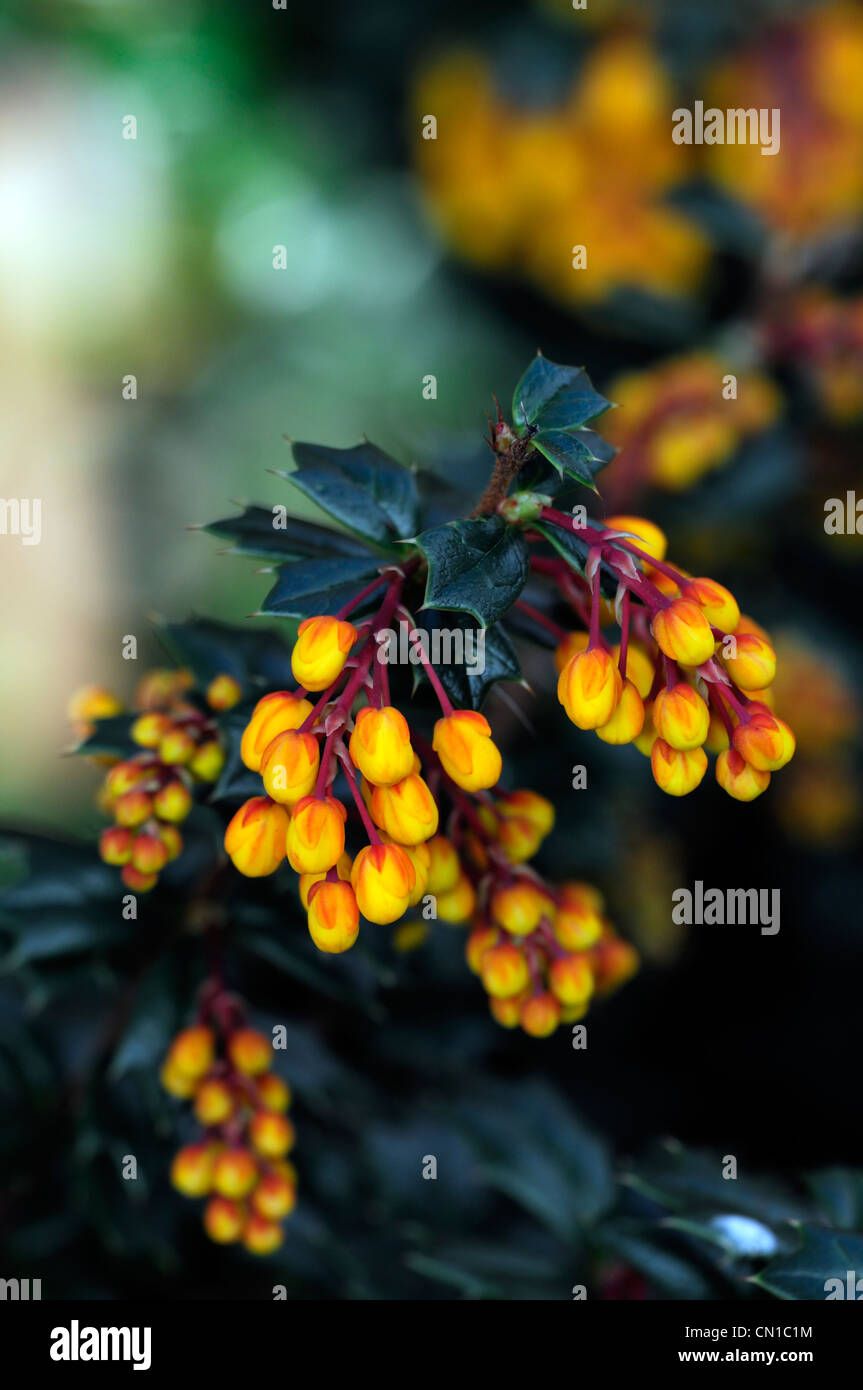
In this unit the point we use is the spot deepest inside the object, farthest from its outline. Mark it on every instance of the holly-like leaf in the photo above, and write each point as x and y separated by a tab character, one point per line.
362	488
267	534
318	586
210	648
822	1256
579	454
554	397
477	566
110	738
471	660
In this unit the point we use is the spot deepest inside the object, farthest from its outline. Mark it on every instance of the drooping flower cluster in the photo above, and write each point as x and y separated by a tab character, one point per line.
151	793
688	670
239	1163
476	872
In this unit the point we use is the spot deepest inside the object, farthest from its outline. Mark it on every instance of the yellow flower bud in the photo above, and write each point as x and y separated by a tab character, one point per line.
753	664
627	720
481	939
463	742
321	650
572	644
224	692
520	906
262	1237
407	811
235	1173
683	633
589	688
307	881
192	1051
677	772
738	777
540	1015
383	879
681	716
380	745
289	766
316	834
255	837
571	979
718	604
334	919
504	971
444	866
224	1220
459	903
646	534
274	714
765	741
192	1170
639	667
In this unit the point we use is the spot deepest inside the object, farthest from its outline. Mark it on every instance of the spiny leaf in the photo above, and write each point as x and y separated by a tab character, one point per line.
477	566
318	586
555	397
266	534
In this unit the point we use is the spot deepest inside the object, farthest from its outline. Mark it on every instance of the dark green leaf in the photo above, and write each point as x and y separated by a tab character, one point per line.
645	1248
822	1255
151	1025
478	566
580	454
318	586
839	1194
110	737
390	485
255	533
555	397
209	648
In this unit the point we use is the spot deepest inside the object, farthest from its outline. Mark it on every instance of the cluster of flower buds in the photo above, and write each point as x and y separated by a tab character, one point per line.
240	1161
475	868
299	747
151	793
687	672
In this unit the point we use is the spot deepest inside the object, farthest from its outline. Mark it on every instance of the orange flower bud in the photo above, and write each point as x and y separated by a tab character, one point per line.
589	688
639	667
507	1012
577	924
235	1173
192	1051
192	1170
274	1198
261	1237
683	632
747	624
161	687
380	745
407	811
92	702
175	1082
444	866
223	1220
173	802
256	836
614	961
133	808
480	940
207	761
274	714
681	716
383	879
463	742
717	734
571	979
149	729
137	881
224	692
122	777
271	1135
420	860
459	903
115	845
316	834
321	650
648	736
518	838
575	893
308	881
273	1092
250	1052
520	906
647	535
765	741
172	840
627	720
738	777
289	766
334	919
675	771
504	971
530	806
214	1102
149	854
753	665
718	604
540	1015
572	644
176	747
